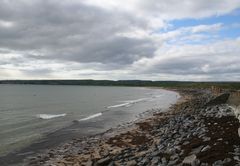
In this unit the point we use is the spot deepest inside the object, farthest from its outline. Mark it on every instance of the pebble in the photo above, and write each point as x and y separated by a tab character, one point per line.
227	160
156	153
190	159
104	161
89	163
155	160
239	131
206	148
218	163
236	158
131	163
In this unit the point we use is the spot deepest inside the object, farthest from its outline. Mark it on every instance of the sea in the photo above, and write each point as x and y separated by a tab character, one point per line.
32	113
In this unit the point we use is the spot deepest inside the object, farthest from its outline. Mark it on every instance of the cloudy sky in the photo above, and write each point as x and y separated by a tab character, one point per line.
114	39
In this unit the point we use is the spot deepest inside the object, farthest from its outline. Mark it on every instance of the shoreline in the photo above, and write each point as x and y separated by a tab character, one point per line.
60	137
122	128
188	133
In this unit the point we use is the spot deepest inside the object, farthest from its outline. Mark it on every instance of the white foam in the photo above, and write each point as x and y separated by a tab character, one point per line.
157	96
91	116
128	103
137	100
50	116
120	105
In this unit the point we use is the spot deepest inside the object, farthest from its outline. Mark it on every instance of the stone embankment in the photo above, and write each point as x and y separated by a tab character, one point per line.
197	131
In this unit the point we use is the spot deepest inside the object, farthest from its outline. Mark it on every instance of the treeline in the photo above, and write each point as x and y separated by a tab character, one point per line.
166	84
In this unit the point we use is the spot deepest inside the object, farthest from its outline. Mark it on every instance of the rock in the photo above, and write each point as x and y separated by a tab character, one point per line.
172	163
156	153
239	131
174	157
227	160
236	158
190	159
160	147
131	163
89	163
222	99
196	150
206	148
144	161
104	161
205	139
111	163
155	160
186	142
217	163
197	162
164	160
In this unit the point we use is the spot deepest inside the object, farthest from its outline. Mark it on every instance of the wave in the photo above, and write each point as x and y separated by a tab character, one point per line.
50	116
91	116
128	103
138	100
119	105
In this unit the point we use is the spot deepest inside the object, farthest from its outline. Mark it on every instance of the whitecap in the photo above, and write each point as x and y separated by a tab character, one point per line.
128	103
137	100
119	105
50	116
91	116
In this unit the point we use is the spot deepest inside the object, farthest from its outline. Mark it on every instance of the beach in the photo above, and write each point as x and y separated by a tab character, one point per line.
58	114
200	129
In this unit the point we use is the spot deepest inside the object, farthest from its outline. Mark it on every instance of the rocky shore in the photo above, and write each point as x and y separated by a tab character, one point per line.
201	129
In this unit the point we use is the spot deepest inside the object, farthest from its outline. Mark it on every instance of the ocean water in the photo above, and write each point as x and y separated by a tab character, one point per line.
29	112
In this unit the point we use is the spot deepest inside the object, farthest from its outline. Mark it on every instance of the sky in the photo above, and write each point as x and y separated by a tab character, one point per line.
184	40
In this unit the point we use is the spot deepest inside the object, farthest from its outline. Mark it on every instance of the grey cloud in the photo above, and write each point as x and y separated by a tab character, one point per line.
72	31
37	72
179	65
119	50
196	65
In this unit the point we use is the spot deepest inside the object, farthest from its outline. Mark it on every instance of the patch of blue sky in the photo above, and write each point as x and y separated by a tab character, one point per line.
230	32
231	24
228	19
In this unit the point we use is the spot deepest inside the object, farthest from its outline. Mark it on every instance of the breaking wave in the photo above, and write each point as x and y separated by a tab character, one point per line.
91	116
50	116
128	103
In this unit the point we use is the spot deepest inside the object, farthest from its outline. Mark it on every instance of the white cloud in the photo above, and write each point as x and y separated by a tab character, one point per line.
206	28
213	60
6	24
159	10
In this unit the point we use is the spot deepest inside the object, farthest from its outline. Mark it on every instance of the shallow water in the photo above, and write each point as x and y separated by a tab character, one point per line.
28	112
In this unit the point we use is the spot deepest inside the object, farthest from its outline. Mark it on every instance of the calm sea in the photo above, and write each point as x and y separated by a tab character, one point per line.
28	112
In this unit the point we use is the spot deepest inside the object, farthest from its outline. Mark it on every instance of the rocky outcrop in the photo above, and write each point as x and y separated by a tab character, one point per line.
221	99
